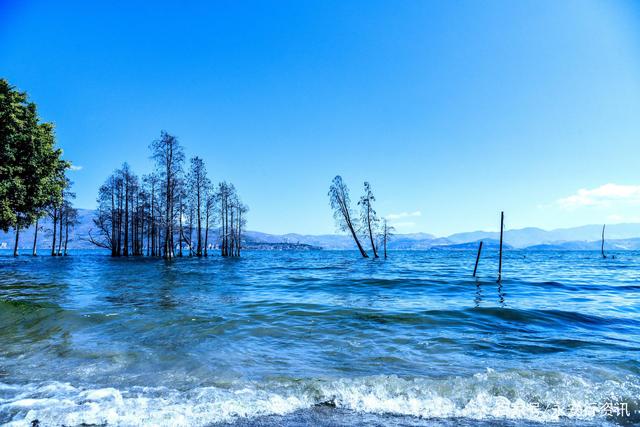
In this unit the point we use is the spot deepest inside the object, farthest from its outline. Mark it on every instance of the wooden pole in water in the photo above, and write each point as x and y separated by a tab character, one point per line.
477	259
500	259
602	247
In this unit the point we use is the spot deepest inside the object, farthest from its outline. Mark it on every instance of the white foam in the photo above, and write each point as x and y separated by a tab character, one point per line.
488	395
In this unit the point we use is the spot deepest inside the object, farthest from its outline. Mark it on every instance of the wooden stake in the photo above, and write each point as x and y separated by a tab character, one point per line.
477	259
602	247
500	260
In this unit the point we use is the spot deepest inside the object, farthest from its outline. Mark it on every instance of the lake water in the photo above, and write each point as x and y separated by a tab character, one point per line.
321	338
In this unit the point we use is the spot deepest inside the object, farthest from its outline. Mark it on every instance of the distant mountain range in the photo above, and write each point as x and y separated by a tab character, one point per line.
587	237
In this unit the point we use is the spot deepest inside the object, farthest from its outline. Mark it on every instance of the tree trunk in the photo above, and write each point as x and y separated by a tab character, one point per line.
119	246
66	234
168	246
148	233
500	256
226	228
373	246
133	224
150	227
223	241
385	242
15	246
206	233
35	239
126	218
168	240
138	224
199	247
233	234
55	225
355	238
60	234
239	230
191	232
113	220
180	227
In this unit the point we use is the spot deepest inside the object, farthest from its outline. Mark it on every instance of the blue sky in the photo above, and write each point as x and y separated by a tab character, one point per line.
452	110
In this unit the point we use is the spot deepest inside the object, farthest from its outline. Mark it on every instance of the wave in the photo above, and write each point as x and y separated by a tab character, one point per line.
510	395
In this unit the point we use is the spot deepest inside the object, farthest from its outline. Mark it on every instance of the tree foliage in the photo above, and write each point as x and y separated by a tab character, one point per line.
31	167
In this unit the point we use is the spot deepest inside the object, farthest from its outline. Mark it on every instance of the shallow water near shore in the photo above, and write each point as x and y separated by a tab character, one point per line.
321	338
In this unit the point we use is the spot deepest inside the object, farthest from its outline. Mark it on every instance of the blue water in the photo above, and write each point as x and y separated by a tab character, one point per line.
320	338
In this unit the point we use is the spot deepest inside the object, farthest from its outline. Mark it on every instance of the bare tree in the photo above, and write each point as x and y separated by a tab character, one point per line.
152	184
340	203
119	218
127	182
242	210
191	209
368	216
232	219
108	218
210	204
386	233
105	218
197	181
70	217
67	196
54	210
223	198
169	156
181	194
54	213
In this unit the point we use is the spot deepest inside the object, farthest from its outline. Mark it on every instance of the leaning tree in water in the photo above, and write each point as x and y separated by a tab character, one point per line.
341	205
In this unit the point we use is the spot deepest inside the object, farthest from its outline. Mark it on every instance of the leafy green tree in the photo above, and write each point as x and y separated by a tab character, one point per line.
31	167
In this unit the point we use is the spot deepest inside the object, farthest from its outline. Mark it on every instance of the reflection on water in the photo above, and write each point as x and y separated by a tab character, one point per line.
478	298
501	294
319	337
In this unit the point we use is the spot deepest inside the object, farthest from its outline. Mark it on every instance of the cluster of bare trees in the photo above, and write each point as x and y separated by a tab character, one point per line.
123	216
368	226
64	217
232	219
168	211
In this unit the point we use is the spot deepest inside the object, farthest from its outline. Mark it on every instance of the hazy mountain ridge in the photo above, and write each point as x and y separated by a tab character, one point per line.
525	237
587	237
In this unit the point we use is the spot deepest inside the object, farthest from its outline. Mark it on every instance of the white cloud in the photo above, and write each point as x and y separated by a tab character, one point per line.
403	215
406	224
605	195
75	168
617	218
